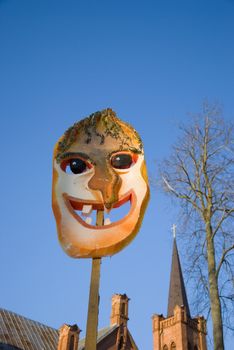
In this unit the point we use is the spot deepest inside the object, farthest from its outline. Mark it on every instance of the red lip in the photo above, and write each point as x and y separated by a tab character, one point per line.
73	204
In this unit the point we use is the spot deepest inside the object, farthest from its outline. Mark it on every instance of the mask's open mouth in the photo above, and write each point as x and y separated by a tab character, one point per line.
86	211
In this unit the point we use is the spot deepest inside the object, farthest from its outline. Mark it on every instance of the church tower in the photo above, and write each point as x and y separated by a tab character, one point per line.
178	331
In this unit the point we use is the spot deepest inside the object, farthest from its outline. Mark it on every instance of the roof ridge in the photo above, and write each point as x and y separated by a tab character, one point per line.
108	330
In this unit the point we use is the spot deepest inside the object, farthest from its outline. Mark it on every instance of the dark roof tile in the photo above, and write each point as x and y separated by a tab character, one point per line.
25	334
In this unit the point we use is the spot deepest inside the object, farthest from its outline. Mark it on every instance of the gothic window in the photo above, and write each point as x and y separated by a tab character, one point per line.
195	347
123	309
173	346
71	344
189	346
165	347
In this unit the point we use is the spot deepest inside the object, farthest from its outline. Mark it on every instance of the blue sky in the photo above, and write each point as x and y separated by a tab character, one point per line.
153	62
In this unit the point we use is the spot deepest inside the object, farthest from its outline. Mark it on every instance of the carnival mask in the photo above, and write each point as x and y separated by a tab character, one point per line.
98	166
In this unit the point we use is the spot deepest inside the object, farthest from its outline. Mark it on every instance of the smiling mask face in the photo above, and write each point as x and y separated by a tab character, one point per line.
98	166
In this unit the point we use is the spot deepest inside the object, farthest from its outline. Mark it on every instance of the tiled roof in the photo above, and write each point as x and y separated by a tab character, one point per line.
20	333
177	292
25	334
104	332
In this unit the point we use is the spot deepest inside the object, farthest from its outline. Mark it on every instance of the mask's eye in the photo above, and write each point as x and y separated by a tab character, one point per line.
75	166
122	160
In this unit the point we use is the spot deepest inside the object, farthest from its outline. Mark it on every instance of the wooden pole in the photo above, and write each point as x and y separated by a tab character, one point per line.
92	320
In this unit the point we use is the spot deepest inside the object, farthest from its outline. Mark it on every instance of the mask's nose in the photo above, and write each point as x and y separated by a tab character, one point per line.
107	182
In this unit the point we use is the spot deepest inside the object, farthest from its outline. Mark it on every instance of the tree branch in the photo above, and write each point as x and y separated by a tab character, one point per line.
223	259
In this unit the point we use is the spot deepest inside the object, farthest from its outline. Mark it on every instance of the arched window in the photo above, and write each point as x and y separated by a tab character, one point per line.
71	344
165	347
189	346
123	308
195	347
173	346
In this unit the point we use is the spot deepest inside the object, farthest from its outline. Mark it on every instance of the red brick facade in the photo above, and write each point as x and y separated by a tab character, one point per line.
179	332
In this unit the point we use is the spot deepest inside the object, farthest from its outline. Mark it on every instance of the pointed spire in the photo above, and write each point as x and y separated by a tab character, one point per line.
177	293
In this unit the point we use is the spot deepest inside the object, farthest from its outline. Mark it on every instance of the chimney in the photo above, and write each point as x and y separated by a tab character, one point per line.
119	309
68	337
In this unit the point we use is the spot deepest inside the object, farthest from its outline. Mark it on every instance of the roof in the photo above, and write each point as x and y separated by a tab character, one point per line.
177	293
104	332
19	332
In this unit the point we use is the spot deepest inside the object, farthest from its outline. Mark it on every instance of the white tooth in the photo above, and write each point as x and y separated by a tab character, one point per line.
86	210
107	221
88	220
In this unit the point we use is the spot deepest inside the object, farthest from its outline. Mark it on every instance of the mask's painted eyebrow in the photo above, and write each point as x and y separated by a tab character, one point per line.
129	149
73	155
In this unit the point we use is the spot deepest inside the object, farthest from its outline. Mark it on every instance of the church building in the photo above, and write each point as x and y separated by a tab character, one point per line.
177	331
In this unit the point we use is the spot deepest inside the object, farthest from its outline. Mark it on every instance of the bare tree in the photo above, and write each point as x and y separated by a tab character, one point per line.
200	174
